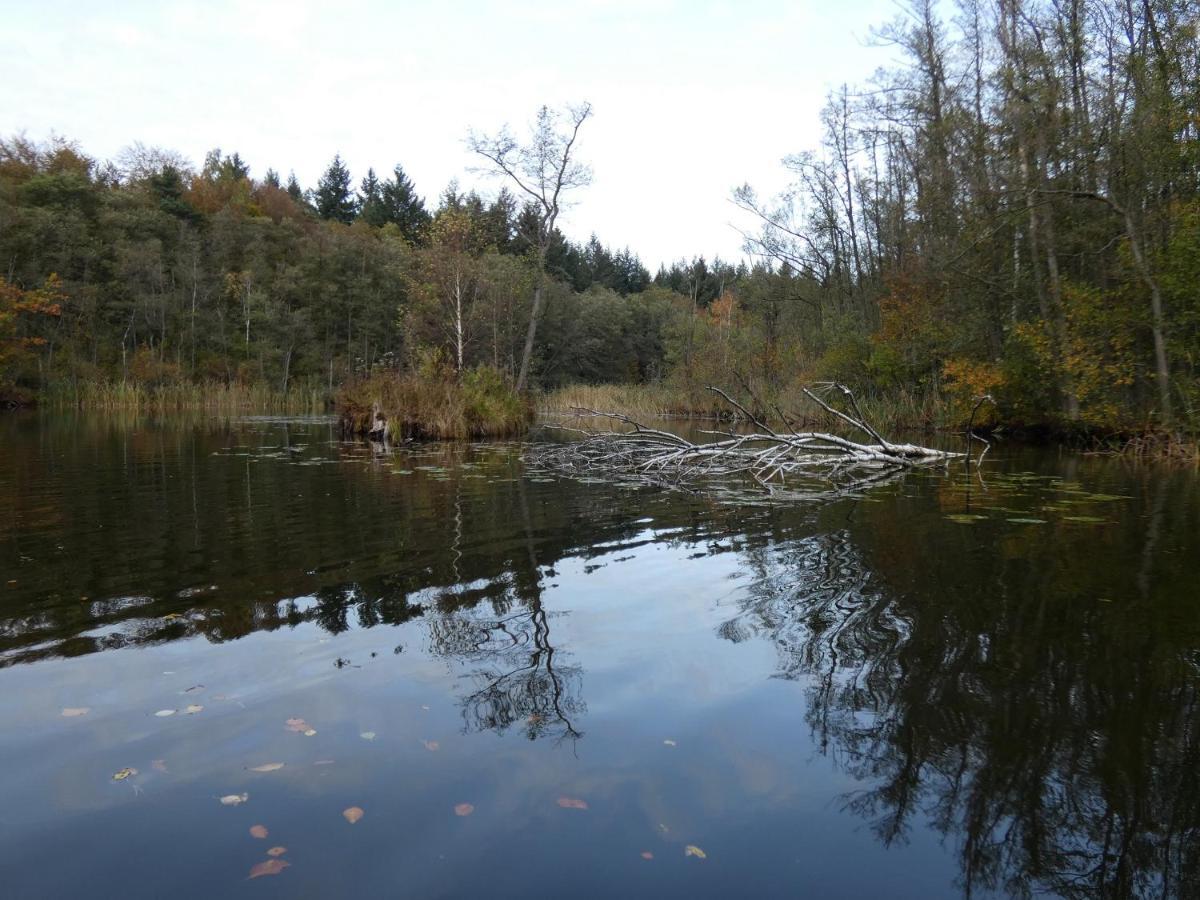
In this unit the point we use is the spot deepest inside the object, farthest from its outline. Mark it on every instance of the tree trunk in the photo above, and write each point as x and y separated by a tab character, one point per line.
531	333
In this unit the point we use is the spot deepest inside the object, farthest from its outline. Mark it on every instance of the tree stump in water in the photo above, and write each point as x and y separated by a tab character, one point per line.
378	429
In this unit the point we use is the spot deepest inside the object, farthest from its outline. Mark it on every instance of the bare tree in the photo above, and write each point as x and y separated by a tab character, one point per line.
542	169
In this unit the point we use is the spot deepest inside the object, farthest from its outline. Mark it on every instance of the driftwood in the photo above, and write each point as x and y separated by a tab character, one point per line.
774	459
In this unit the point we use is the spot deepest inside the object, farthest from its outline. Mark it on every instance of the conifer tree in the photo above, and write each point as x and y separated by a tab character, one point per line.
403	207
334	198
293	188
370	201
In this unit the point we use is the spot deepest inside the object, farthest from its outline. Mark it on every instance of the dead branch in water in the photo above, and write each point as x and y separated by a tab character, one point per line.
769	457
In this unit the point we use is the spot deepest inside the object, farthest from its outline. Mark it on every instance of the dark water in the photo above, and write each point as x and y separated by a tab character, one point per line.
948	685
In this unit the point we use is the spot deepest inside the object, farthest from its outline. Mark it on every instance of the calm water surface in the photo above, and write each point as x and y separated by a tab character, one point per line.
534	686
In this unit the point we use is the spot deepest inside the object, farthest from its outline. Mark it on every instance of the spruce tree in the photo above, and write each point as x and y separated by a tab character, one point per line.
293	188
334	198
370	201
403	207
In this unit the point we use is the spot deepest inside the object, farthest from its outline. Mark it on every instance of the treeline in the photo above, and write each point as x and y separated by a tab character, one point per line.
1010	210
145	270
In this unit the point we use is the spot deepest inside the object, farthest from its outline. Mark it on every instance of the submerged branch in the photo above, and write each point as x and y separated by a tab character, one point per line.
770	458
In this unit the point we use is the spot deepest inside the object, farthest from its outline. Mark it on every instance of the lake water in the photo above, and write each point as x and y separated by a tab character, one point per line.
485	682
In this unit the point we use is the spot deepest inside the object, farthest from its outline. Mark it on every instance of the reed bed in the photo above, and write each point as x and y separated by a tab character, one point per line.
215	397
478	404
900	410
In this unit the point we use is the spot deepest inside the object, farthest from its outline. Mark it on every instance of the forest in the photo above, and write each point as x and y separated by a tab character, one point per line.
1010	208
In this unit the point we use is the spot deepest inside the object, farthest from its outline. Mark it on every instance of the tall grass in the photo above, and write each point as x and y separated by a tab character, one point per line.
216	397
478	404
898	410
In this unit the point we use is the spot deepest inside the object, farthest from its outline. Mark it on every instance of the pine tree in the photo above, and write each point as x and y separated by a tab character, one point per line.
370	201
271	179
333	198
498	222
293	188
403	207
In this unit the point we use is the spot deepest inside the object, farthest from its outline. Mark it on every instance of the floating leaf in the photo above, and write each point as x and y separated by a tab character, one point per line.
277	851
160	765
193	709
193	689
259	831
70	712
431	745
297	725
693	850
464	809
353	814
267	767
367	735
646	854
965	518
163	713
1085	520
572	803
234	799
269	867
124	773
1022	521
669	743
171	617
309	732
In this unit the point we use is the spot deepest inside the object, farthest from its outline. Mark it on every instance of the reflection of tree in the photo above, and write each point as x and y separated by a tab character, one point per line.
1058	750
516	677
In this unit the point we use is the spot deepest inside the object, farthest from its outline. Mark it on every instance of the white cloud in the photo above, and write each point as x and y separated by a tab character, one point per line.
690	98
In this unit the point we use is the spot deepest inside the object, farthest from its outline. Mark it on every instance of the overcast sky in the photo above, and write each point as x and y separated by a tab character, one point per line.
691	98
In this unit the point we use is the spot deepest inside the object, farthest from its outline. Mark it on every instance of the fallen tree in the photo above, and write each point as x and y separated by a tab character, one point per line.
774	458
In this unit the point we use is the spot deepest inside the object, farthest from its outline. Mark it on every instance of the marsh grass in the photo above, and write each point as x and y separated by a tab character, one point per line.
479	404
900	410
215	397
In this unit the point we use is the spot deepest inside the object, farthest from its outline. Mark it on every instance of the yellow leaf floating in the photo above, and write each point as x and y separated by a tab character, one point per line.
267	767
277	851
353	814
259	831
124	773
193	709
70	712
693	850
234	799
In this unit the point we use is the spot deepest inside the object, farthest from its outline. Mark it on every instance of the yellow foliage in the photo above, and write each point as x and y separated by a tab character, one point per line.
965	381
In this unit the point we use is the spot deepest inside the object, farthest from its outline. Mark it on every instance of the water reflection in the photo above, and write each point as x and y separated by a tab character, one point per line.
1052	739
1011	662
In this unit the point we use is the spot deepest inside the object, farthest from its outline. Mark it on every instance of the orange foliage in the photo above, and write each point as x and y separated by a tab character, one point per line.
20	311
